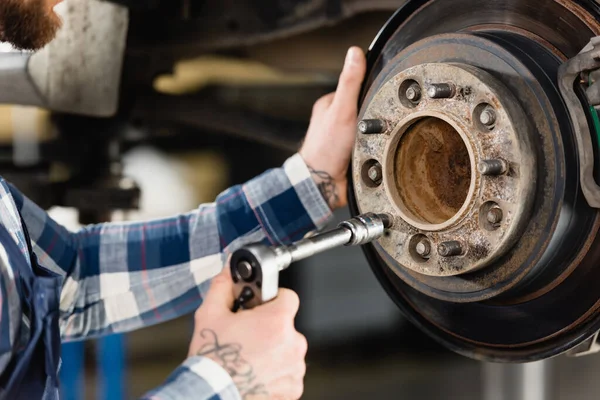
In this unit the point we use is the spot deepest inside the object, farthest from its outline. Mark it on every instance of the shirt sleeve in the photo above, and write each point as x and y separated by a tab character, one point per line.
124	276
197	378
11	318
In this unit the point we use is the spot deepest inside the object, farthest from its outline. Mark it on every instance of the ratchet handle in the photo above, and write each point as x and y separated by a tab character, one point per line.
255	268
242	299
255	273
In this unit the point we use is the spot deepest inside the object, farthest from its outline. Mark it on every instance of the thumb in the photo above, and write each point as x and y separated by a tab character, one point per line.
346	96
220	294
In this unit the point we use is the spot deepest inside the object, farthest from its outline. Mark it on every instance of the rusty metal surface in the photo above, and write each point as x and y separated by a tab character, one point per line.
526	253
544	290
431	183
432	170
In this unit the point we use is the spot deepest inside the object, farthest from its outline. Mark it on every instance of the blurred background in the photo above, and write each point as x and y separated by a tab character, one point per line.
195	120
360	346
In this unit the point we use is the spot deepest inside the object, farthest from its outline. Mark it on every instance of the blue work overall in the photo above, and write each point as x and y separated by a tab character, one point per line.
32	374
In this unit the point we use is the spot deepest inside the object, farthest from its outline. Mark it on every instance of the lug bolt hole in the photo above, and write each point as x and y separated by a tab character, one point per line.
410	93
372	173
420	248
485	117
491	216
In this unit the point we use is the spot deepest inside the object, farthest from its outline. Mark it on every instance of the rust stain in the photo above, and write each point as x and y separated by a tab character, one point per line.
582	14
433	170
427	159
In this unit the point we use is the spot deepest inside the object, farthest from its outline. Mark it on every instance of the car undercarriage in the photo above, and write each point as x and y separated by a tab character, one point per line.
479	134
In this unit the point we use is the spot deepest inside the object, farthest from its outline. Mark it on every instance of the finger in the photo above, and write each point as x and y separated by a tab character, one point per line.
351	78
322	105
302	345
287	302
220	294
287	387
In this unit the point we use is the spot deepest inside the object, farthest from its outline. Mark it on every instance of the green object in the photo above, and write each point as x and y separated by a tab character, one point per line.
596	120
594	113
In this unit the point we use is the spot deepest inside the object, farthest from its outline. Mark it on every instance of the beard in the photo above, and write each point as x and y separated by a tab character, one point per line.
28	24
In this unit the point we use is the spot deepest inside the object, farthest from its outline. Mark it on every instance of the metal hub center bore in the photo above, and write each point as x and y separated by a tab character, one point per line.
454	167
432	171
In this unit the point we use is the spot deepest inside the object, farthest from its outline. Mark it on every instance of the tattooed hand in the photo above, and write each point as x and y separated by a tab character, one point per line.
229	356
259	348
330	137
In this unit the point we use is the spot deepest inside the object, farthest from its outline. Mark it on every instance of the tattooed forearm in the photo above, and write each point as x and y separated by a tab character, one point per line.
229	357
327	186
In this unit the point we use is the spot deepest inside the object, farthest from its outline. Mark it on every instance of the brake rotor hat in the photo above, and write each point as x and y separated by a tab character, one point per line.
460	189
468	144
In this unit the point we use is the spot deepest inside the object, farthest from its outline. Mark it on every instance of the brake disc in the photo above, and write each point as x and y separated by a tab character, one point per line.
466	142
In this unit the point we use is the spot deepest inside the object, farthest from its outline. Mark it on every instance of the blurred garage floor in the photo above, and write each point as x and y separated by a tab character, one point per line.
409	376
360	346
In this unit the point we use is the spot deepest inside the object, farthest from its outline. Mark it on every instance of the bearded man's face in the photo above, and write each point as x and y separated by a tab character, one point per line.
28	24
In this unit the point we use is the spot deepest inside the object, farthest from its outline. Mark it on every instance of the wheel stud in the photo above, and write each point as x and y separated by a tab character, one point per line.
371	126
440	91
492	167
450	249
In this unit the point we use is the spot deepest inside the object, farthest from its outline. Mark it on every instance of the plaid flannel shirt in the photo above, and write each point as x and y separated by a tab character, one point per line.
118	277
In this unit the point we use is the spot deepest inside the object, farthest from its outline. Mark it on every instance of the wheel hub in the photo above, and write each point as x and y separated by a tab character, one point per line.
466	142
450	180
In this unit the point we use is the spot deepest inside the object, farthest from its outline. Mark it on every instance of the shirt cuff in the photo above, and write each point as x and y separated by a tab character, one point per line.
308	192
197	378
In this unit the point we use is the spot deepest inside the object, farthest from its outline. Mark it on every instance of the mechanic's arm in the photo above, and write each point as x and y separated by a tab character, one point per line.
124	276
